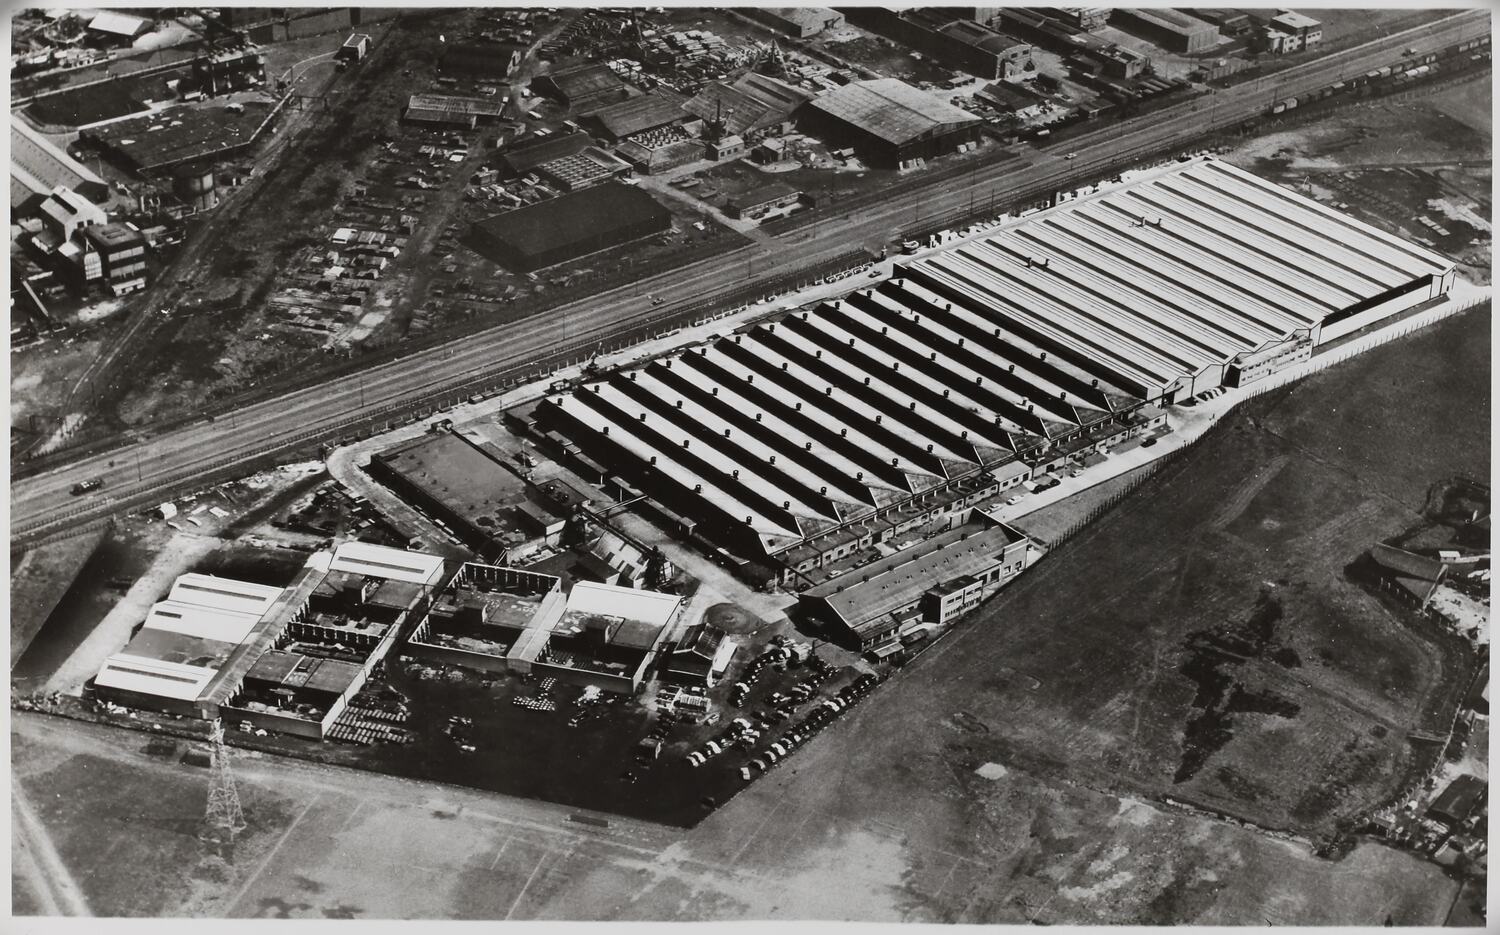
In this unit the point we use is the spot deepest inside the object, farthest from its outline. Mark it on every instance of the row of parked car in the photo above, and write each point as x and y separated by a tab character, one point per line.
818	718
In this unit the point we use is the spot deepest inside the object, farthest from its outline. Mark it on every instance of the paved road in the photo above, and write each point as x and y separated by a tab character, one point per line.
165	462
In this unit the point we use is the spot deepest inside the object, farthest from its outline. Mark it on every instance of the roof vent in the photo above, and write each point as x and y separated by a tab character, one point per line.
735	474
726	433
809	446
757	417
697	488
653	459
715	391
679	404
843	433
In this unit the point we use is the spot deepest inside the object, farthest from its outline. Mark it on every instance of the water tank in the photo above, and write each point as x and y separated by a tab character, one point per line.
195	186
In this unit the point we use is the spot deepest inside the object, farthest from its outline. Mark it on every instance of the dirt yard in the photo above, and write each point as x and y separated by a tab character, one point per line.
1418	166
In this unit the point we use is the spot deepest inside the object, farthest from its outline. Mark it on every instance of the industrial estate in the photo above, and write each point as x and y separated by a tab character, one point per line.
597	407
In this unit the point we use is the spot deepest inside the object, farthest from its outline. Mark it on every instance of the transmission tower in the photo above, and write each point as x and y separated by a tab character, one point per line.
224	818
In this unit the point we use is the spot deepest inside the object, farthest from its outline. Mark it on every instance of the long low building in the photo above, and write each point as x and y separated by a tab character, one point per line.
572	226
891	121
286	659
915	592
1059	332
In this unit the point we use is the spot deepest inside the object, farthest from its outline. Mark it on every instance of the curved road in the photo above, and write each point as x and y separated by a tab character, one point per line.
158	465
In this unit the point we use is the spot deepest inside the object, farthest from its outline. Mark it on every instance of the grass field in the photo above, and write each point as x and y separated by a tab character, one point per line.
1202	642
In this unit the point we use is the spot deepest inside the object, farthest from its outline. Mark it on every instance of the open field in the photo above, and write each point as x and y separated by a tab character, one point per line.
908	832
1216	653
39	579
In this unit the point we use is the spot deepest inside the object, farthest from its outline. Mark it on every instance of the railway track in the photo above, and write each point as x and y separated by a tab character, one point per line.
192	455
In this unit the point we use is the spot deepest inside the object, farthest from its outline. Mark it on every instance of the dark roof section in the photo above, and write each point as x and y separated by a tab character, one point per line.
764	193
495	59
751	103
892	110
1408	563
581	84
701	640
526	156
1459	800
549	225
639	114
1010	96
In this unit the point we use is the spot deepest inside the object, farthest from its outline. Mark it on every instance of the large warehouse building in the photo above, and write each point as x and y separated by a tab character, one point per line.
285	659
1066	328
891	121
571	226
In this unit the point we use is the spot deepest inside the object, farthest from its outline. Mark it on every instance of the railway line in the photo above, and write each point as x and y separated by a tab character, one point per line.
153	467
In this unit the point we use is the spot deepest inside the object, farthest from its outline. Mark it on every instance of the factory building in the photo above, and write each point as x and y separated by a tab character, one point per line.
38	167
571	226
283	659
912	593
583	88
510	620
446	110
893	122
943	34
487	60
1055	335
113	255
749	107
654	111
523	157
798	22
470	492
120	29
230	69
1289	32
1230	23
1173	30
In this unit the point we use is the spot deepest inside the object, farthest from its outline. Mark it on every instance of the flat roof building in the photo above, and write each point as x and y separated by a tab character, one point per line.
659	108
583	88
1173	30
893	121
452	110
38	166
881	602
572	226
799	22
749	106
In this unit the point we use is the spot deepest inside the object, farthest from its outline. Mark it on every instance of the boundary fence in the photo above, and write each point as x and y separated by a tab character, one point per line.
1192	434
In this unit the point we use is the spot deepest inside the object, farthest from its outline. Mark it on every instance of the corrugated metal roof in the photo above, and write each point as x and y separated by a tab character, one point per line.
900	579
891	109
1186	269
380	561
118	24
217	593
